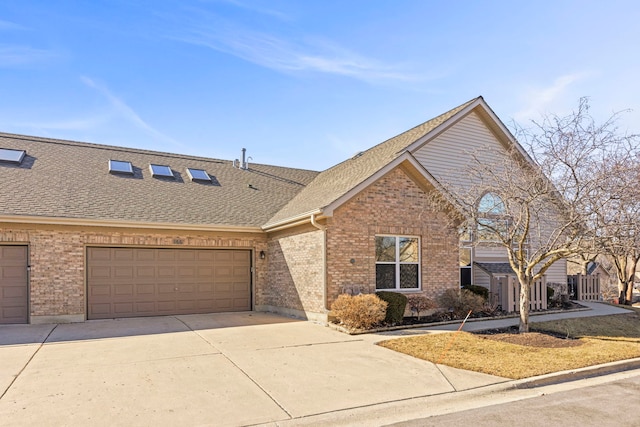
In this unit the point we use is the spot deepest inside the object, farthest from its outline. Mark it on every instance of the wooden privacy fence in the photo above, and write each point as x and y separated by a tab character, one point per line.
506	290
584	288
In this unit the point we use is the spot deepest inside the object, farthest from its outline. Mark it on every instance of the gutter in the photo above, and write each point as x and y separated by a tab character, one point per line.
15	219
322	228
291	222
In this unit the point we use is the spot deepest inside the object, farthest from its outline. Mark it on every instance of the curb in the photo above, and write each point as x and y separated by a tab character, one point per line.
577	374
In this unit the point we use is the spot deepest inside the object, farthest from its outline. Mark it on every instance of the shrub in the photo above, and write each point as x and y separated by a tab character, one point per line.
459	302
395	310
479	290
550	293
420	303
360	311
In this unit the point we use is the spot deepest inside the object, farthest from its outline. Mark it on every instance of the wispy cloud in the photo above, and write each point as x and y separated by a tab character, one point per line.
125	111
7	25
12	55
540	100
277	53
252	8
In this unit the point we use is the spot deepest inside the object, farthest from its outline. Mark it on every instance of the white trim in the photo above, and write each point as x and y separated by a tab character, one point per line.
125	224
479	102
404	157
290	222
397	263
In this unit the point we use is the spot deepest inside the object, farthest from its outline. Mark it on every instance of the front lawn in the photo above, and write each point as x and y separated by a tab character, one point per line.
550	347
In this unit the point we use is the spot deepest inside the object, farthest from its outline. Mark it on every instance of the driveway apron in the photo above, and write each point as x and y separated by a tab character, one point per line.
220	369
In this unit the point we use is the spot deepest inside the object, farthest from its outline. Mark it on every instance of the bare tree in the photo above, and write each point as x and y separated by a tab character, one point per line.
617	222
545	203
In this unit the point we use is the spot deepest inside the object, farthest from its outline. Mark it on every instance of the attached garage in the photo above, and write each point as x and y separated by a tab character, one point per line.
133	282
14	284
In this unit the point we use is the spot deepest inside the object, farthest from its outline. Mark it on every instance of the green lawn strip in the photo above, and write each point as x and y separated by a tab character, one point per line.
616	338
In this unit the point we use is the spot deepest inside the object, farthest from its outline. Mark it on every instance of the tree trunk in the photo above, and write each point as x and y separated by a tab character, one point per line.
629	296
524	307
623	289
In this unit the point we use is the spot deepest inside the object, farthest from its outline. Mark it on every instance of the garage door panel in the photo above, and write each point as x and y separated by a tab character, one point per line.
14	273
145	272
123	290
165	255
145	255
123	255
123	272
166	289
187	272
10	292
99	291
14	284
122	307
99	272
129	282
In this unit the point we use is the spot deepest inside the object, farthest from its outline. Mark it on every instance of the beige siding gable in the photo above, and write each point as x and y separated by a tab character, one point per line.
450	152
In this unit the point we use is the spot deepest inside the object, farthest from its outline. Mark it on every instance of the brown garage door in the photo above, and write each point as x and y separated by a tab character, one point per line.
14	289
132	282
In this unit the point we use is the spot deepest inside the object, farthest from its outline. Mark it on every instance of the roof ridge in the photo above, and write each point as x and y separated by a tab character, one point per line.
107	147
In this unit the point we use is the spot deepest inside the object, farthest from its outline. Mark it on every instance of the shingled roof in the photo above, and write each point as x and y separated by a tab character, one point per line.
70	180
335	182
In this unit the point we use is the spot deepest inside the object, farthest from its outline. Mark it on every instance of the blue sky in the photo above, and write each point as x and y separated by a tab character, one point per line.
305	83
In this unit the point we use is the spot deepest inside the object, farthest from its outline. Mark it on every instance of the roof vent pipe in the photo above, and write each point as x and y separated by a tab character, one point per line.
244	161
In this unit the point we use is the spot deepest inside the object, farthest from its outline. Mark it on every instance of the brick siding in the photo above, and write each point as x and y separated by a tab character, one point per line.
393	205
57	258
296	272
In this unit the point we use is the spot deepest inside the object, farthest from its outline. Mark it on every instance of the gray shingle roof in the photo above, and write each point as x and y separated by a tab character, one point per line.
495	267
66	179
333	183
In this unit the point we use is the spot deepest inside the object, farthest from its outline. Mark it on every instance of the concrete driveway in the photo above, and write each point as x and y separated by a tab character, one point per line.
219	369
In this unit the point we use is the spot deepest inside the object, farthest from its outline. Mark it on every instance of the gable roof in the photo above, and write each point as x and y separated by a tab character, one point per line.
70	182
334	183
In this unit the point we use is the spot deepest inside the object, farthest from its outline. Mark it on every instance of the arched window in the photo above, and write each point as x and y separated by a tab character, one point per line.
491	205
491	217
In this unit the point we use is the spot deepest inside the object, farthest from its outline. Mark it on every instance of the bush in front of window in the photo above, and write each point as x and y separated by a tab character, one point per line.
459	302
478	290
360	311
419	303
395	310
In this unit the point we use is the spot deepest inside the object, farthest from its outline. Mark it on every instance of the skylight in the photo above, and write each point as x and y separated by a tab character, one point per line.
118	166
12	156
161	170
198	175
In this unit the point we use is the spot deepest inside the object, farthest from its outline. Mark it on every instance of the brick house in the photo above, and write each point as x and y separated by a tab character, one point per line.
91	231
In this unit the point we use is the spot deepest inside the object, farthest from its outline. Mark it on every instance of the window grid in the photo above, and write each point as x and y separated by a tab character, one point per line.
403	268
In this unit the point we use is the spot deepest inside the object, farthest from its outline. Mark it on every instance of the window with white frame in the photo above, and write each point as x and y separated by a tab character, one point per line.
397	262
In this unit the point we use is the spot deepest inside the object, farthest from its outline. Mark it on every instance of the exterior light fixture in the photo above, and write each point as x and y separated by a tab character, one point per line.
262	255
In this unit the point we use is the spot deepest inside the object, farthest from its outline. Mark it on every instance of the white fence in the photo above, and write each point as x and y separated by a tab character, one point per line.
506	291
584	288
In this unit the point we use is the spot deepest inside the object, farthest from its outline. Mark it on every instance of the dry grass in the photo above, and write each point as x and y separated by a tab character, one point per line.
601	339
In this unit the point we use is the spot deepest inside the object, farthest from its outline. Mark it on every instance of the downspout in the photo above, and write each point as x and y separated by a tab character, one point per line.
322	228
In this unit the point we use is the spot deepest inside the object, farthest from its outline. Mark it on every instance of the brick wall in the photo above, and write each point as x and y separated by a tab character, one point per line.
296	271
393	205
57	258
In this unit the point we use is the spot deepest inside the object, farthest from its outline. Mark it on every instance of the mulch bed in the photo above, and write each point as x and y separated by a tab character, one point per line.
531	339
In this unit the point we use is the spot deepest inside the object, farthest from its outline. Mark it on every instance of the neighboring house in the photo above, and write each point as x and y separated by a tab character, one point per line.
91	231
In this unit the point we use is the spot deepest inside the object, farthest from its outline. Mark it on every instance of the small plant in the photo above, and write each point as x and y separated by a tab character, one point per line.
420	303
360	311
459	302
395	310
479	290
490	307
